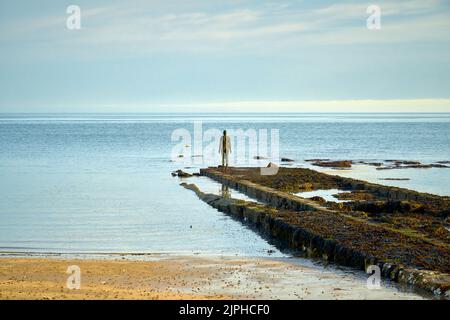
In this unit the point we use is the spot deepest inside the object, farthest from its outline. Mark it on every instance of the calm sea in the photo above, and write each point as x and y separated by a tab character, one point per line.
101	182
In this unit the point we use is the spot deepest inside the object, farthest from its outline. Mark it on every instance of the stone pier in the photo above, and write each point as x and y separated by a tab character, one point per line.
338	236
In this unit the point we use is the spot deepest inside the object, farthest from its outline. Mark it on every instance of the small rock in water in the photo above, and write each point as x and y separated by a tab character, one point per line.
334	164
438	165
181	174
374	164
316	160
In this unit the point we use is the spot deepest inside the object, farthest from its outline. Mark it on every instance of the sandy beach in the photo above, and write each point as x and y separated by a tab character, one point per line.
178	277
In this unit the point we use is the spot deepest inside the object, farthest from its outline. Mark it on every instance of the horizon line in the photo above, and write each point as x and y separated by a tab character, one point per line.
229	112
434	105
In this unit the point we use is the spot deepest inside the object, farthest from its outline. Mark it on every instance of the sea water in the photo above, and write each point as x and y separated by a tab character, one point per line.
101	183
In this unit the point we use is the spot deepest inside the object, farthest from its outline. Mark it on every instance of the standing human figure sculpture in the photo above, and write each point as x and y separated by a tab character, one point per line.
225	149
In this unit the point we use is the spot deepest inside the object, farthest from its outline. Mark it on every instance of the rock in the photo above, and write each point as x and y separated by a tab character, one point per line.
318	199
440	232
410	206
286	160
334	164
317	160
374	164
419	166
409	163
409	166
345	232
306	186
439	166
181	174
400	164
380	207
356	195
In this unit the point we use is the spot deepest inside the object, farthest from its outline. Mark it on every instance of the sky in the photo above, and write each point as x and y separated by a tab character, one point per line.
224	55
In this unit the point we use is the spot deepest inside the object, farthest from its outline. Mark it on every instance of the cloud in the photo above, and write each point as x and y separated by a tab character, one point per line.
147	28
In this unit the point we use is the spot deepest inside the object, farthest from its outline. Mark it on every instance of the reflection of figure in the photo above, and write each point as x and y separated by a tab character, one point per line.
225	192
225	148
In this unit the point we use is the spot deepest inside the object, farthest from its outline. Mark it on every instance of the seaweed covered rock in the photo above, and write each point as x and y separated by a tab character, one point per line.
356	195
387	206
334	164
181	174
318	199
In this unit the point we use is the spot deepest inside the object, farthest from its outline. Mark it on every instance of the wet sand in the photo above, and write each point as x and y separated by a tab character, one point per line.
184	277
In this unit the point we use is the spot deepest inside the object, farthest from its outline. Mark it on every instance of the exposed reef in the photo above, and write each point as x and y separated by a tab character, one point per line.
181	174
385	165
333	164
401	164
404	232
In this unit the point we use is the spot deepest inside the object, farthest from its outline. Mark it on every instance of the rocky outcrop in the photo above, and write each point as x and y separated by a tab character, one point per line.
356	195
401	164
374	164
318	199
342	234
181	174
333	164
303	235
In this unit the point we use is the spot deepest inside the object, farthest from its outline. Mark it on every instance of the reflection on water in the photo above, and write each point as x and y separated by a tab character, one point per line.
328	195
208	185
225	191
